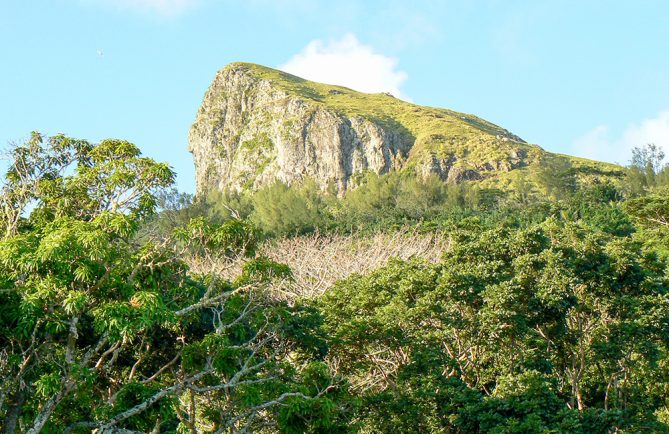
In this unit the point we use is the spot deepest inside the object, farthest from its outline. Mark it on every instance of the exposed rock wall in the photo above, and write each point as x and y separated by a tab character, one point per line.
257	125
248	133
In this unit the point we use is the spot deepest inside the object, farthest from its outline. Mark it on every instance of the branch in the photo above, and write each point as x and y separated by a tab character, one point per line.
161	370
152	400
72	340
660	221
230	385
278	401
94	350
106	353
210	301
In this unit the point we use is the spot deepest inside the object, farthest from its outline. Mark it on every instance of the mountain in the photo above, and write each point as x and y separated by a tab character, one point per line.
257	125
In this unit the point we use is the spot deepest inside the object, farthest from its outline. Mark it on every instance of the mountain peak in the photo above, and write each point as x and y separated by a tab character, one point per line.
257	125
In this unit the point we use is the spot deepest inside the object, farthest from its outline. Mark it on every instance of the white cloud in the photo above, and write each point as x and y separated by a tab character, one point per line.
164	8
600	144
654	130
595	144
347	62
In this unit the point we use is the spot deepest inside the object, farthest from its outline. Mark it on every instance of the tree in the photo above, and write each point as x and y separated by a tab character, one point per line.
651	215
646	169
556	327
282	210
651	211
102	330
556	176
648	159
522	188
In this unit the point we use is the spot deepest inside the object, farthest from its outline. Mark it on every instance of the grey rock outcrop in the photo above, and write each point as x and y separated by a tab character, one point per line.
249	133
257	125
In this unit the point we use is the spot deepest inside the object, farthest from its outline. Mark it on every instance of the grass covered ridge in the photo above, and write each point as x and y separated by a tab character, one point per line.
464	140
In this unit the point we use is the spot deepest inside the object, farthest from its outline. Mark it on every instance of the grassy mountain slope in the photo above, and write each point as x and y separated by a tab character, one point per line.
455	146
436	131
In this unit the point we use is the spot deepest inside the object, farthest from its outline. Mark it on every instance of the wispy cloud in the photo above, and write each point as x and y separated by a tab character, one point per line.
163	8
348	62
600	144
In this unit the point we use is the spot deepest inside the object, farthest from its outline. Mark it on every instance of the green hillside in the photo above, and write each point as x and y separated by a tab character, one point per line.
437	132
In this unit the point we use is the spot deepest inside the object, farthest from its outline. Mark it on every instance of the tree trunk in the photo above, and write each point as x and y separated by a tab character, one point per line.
44	415
579	399
191	416
49	406
13	413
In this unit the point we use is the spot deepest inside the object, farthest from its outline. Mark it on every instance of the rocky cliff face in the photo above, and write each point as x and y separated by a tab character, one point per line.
257	125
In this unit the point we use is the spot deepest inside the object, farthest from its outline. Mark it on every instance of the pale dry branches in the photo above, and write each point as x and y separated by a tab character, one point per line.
318	261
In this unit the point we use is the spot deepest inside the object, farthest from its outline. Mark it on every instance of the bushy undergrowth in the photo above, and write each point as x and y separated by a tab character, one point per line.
393	201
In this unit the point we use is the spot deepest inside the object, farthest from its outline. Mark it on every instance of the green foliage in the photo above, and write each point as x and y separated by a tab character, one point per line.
556	176
263	270
394	196
381	201
262	144
599	207
548	328
173	210
282	210
646	170
322	415
222	206
234	237
651	214
393	200
550	313
104	328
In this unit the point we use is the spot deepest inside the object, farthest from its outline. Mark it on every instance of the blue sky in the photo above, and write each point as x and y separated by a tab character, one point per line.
587	77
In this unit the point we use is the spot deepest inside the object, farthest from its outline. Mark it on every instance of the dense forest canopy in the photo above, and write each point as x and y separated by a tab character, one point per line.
547	312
